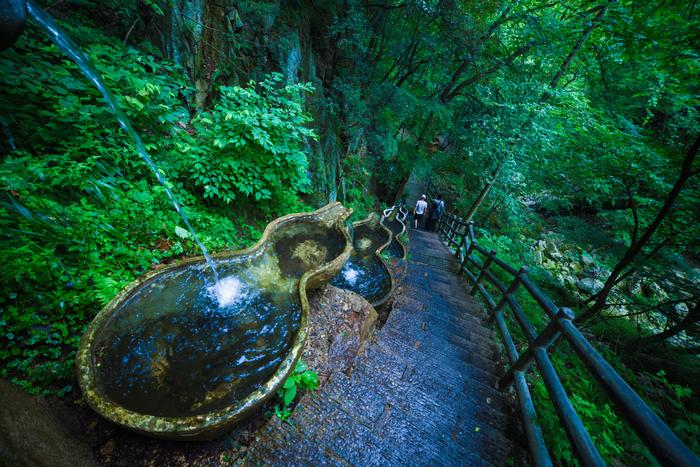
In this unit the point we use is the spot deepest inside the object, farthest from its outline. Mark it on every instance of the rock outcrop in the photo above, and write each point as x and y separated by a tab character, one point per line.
340	322
36	432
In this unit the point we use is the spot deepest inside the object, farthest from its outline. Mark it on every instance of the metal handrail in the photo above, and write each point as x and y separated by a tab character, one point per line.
661	441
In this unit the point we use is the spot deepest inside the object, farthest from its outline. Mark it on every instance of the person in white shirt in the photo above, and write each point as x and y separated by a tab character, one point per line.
419	210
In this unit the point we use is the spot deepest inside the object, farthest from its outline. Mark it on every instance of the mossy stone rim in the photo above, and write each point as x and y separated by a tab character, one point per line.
387	213
209	425
377	253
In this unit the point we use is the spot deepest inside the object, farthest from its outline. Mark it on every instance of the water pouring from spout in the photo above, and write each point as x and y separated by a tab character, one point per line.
227	291
66	44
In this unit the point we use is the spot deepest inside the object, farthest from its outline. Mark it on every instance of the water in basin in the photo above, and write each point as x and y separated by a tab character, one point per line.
364	272
397	228
178	347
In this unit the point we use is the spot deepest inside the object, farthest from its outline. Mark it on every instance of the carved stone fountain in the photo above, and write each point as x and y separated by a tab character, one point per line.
176	356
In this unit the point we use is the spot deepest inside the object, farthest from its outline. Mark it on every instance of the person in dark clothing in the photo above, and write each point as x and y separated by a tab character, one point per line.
437	209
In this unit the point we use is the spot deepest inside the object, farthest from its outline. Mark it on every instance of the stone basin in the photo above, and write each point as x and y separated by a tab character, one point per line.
366	273
175	356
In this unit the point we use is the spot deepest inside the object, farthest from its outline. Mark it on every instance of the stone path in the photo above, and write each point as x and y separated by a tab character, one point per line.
423	392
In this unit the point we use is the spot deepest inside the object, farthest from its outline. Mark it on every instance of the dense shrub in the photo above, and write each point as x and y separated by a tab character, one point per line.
250	144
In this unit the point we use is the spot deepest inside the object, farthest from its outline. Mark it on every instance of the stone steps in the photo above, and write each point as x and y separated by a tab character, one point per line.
422	393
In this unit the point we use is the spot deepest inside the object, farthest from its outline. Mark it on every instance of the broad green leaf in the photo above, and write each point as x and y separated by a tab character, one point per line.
182	233
289	394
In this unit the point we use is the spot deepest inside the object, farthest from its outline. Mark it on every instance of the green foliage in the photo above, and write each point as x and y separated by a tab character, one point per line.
386	256
437	86
612	436
81	214
250	144
301	379
127	11
673	398
357	193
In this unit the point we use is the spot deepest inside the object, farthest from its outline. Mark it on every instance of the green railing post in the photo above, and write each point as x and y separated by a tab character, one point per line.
543	341
463	242
455	232
512	288
485	267
467	255
517	280
448	230
443	225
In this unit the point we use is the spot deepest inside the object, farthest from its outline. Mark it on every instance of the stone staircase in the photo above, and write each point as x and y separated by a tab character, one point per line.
423	392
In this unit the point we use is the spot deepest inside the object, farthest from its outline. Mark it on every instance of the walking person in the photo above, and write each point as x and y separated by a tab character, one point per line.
419	210
436	212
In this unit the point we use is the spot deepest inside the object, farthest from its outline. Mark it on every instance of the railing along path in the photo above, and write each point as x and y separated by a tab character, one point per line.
477	265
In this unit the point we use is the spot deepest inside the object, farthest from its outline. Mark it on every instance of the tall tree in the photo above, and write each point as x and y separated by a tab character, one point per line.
551	86
623	268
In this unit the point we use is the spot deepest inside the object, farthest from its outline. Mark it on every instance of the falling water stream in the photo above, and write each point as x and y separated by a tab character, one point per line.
66	44
172	348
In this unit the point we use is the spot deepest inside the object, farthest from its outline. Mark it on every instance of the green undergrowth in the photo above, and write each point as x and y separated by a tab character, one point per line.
81	215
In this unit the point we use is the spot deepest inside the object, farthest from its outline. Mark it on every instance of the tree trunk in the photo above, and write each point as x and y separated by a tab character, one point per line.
484	191
452	90
636	247
691	318
577	47
457	74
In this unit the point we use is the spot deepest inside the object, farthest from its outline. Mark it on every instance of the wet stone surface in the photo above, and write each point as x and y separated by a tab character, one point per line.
340	325
421	393
36	432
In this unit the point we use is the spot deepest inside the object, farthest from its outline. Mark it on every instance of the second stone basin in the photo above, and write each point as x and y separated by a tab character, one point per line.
365	273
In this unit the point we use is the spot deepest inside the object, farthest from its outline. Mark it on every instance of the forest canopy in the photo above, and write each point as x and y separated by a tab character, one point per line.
567	130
